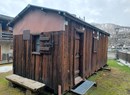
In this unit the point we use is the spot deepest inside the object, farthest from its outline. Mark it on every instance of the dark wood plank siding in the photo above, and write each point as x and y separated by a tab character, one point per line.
70	30
40	67
92	61
88	53
65	65
57	68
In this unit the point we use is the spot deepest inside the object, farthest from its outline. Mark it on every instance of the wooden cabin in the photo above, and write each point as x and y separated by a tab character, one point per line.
56	48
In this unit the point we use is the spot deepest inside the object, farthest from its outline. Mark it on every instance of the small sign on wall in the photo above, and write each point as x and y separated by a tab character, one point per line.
26	35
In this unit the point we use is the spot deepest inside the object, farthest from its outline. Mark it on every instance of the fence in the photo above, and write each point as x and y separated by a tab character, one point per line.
125	56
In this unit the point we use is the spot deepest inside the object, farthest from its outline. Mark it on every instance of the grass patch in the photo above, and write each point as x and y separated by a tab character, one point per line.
5	89
114	82
113	64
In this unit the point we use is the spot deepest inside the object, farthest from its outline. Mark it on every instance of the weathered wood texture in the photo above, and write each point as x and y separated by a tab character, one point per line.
40	67
60	66
27	83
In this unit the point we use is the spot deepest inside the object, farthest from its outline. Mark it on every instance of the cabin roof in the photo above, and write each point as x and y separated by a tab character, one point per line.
60	12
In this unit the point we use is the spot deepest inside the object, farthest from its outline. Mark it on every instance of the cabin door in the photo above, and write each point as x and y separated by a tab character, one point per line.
78	58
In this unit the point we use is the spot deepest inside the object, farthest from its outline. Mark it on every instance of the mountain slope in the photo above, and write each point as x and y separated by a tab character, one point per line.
120	35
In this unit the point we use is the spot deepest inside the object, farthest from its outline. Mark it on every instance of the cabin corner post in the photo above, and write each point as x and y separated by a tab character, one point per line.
74	33
59	90
106	47
70	30
65	69
62	64
14	52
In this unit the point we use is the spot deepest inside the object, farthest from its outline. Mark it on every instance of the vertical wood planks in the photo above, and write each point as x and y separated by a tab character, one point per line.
57	68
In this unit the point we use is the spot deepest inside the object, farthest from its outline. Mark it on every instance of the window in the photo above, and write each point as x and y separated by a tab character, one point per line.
96	37
95	42
36	43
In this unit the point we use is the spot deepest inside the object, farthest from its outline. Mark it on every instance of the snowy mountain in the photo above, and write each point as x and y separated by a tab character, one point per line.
120	35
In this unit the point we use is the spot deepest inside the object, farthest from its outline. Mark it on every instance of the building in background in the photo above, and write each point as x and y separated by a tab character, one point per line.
6	40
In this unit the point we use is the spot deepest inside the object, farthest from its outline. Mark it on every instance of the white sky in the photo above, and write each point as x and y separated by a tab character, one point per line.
97	11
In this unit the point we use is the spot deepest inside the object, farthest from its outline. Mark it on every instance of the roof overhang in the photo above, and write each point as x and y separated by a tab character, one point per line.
6	18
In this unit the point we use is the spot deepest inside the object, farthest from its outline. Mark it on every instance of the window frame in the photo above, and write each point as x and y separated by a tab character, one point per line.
95	44
35	43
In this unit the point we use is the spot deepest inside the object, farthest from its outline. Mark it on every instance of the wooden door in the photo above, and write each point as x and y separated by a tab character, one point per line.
78	58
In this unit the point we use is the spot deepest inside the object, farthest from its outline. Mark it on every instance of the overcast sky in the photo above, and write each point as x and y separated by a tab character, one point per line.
97	11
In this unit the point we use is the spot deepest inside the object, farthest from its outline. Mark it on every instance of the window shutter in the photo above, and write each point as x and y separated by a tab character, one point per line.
45	43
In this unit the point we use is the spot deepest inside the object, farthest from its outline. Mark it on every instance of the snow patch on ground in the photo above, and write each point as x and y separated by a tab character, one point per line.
5	68
120	63
124	62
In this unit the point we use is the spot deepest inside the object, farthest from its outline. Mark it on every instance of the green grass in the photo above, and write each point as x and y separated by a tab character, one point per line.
5	89
114	82
113	64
